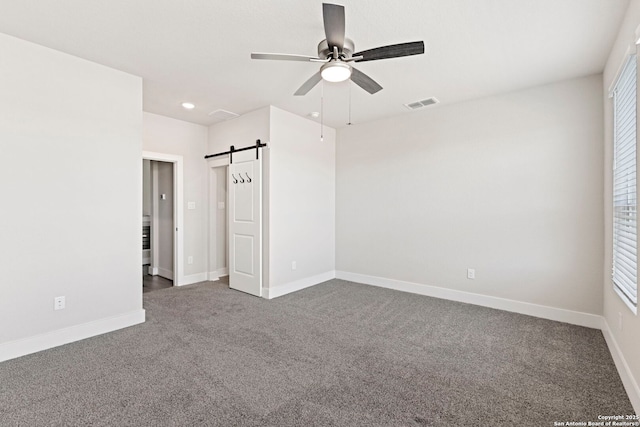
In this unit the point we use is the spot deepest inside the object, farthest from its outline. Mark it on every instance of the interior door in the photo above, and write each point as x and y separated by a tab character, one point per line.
245	223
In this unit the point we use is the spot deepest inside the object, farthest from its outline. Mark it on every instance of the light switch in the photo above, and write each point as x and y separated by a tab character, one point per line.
220	205
191	205
163	196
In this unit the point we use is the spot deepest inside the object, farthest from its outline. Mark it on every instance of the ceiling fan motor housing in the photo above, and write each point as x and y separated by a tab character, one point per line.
325	52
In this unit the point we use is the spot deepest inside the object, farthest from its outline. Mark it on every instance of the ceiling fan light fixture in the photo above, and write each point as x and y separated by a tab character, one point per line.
335	72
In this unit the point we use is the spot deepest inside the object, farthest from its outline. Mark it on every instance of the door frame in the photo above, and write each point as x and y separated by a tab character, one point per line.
178	208
216	271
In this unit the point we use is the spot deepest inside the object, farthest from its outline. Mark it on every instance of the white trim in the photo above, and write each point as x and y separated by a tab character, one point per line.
178	208
297	285
631	50
629	382
217	274
22	347
625	300
193	278
552	313
215	162
153	271
163	272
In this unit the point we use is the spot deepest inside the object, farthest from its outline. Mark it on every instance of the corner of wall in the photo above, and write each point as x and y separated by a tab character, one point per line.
626	374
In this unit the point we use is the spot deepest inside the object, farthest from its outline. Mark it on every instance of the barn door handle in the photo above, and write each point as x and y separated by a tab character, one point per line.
248	177
235	181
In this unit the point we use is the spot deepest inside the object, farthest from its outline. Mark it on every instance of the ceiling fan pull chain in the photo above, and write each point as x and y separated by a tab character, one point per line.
322	111
349	124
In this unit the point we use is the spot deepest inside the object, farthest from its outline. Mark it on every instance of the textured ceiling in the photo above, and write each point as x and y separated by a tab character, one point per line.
199	50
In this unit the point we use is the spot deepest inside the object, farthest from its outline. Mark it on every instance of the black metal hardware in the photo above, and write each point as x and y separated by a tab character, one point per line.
235	181
232	150
248	177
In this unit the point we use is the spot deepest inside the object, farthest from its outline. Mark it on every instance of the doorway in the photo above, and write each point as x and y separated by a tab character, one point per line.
162	214
160	271
237	247
218	236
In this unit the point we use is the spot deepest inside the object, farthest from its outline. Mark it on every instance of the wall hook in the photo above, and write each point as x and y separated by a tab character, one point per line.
248	177
241	178
235	181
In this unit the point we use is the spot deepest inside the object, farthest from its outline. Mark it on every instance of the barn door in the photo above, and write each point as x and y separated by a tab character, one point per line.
245	223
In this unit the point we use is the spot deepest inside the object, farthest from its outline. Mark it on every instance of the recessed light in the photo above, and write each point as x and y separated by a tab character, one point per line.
188	105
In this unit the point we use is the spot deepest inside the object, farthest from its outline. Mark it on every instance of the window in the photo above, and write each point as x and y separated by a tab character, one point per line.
625	214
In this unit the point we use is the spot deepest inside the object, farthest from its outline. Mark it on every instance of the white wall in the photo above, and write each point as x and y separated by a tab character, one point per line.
302	201
71	179
509	185
624	340
146	187
299	186
239	132
176	137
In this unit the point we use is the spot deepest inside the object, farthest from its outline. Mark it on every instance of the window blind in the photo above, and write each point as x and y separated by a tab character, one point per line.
625	214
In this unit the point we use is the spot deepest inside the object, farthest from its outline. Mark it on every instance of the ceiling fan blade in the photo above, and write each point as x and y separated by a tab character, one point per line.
283	57
333	15
391	51
309	84
364	81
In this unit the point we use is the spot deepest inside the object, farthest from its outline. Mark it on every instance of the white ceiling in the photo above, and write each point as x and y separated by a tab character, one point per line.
199	50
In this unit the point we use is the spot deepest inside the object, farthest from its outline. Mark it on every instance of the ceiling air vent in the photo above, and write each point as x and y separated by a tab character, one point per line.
221	115
420	104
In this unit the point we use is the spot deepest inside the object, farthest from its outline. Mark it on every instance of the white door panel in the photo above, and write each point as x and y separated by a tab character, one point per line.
243	254
245	223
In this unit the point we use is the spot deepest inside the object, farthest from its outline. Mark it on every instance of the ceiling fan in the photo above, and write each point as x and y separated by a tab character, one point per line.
336	52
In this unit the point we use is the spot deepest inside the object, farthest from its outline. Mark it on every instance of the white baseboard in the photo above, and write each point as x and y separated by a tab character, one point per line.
163	272
297	285
217	274
152	271
552	313
193	278
630	384
22	347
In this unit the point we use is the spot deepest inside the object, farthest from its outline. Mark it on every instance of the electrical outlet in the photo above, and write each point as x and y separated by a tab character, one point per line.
293	265
190	260
58	303
471	273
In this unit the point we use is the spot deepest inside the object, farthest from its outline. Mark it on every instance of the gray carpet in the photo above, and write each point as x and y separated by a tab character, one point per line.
339	353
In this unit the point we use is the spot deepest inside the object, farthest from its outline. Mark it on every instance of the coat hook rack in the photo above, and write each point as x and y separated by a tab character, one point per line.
248	177
235	181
